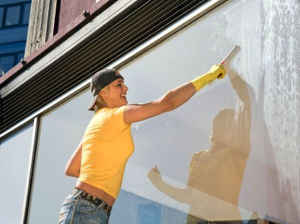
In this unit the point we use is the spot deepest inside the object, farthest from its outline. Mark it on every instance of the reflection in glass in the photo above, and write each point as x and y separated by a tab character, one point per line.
132	208
216	174
12	15
14	162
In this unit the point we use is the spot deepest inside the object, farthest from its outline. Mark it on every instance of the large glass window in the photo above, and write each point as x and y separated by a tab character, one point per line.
60	132
230	154
15	154
223	155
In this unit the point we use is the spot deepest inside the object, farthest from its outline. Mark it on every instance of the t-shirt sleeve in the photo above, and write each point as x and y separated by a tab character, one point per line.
116	117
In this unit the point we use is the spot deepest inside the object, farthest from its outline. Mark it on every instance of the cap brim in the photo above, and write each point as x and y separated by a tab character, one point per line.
92	104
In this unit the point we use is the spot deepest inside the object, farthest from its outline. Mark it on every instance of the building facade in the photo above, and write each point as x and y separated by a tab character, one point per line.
14	17
253	113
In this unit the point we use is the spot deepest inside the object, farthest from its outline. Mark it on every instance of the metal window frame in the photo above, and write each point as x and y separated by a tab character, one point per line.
30	174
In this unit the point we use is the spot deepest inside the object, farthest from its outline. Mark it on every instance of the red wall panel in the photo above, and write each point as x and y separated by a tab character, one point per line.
69	10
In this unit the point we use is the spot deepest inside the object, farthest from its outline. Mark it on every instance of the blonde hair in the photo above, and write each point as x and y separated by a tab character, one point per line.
100	103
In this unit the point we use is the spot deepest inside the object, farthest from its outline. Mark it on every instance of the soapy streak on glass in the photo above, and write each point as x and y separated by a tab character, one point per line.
282	103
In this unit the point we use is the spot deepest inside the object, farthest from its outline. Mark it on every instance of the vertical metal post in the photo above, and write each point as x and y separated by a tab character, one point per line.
32	162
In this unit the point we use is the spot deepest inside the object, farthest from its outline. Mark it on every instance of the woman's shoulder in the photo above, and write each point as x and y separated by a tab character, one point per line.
113	116
110	111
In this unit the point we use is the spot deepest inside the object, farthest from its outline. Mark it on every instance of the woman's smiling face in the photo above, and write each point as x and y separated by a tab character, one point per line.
115	95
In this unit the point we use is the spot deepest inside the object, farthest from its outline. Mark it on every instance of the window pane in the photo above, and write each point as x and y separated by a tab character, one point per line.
26	13
1	16
12	16
14	168
60	133
6	62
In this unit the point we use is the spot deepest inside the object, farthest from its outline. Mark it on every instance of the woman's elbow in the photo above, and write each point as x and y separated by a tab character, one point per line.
168	104
71	173
67	172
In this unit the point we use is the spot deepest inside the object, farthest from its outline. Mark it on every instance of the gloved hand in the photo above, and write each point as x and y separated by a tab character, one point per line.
216	71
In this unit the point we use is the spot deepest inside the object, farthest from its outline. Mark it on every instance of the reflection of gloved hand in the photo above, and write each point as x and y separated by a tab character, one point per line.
155	176
216	71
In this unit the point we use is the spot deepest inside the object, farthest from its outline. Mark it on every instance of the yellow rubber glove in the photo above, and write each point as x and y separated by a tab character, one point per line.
216	71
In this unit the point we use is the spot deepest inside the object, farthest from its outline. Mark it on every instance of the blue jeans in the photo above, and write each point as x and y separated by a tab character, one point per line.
76	210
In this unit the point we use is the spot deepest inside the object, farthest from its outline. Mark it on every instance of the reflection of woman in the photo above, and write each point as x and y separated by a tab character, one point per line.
100	159
216	174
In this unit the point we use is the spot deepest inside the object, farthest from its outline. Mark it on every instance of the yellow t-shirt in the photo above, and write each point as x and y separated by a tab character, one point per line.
107	145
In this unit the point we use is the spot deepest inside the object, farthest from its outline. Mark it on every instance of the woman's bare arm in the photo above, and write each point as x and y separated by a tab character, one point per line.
170	101
173	99
73	165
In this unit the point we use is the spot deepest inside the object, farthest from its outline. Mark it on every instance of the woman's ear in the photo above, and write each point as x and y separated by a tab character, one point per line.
102	93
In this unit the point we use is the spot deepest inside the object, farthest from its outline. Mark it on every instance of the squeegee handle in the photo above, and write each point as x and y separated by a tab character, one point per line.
228	56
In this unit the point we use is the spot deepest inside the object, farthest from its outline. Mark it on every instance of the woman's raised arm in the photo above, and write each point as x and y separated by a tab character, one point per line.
173	99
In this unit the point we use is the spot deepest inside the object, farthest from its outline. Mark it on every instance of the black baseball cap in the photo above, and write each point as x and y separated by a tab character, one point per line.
101	79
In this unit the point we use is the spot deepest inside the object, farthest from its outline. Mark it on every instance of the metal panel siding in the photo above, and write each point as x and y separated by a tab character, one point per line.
142	21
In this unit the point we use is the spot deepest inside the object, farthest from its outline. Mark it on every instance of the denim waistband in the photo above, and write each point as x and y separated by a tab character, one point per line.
94	200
